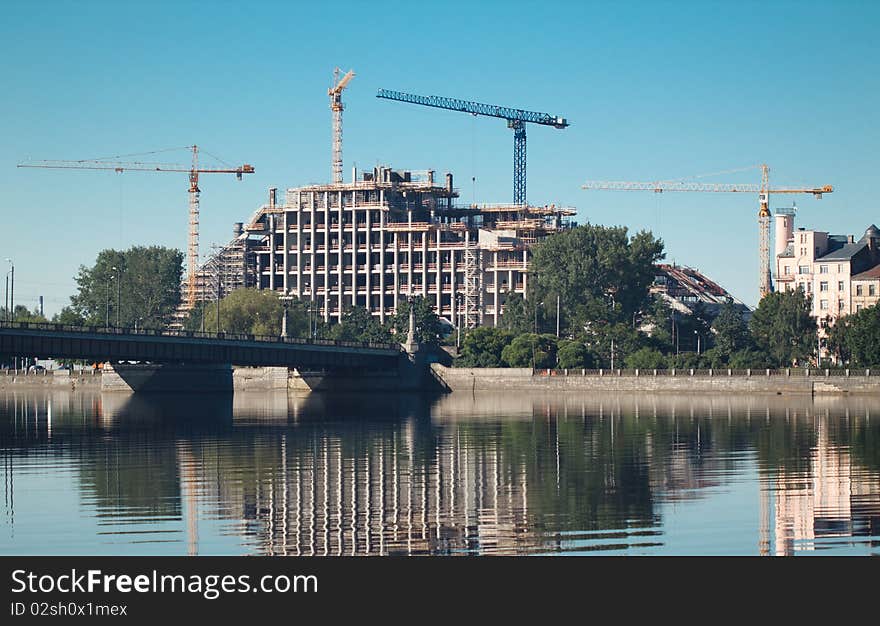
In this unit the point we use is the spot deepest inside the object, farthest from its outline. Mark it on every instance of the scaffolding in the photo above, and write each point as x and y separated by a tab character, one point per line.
473	300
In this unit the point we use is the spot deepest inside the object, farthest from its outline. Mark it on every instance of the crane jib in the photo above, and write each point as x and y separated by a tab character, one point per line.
476	108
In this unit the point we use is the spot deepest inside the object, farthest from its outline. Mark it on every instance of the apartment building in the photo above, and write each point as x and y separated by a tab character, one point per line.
829	268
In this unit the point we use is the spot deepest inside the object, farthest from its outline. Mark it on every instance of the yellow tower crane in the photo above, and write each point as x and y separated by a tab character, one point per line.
763	190
194	170
335	93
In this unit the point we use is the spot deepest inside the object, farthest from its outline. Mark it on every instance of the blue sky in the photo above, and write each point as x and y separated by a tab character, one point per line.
653	90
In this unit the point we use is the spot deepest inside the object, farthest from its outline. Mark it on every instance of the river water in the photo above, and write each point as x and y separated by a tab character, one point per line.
266	474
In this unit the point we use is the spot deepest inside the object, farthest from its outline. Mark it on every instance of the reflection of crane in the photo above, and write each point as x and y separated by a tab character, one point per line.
763	190
516	119
335	93
193	171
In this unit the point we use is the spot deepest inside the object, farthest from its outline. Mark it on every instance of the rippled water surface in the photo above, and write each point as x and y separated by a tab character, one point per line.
91	473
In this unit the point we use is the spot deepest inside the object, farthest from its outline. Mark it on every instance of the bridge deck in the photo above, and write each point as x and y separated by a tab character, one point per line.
169	346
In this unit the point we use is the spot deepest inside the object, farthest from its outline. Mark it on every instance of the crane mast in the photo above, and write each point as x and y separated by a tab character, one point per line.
763	190
336	106
192	260
516	121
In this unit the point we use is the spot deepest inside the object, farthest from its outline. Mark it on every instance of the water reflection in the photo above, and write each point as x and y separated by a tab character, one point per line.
494	474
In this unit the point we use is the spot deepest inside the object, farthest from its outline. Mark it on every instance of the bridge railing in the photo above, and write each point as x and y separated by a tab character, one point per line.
193	334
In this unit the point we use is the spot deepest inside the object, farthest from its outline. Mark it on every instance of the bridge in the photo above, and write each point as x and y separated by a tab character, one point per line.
99	344
181	353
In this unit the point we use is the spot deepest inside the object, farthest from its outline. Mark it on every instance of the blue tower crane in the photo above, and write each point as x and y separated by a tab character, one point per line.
516	119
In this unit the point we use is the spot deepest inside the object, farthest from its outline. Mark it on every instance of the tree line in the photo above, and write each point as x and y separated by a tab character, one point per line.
591	284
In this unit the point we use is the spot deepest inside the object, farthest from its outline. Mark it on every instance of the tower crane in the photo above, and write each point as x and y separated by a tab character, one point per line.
763	190
516	120
194	171
335	93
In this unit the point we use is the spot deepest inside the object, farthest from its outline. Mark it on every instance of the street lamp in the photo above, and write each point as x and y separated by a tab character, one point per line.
285	303
107	293
118	292
458	321
10	305
697	333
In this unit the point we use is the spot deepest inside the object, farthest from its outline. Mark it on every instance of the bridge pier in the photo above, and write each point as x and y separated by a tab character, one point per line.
159	377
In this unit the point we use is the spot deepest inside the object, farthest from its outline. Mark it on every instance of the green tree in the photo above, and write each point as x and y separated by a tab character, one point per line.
482	347
145	287
574	355
731	330
621	339
428	329
22	314
599	272
646	358
856	338
357	324
69	317
782	328
254	312
530	350
519	314
749	358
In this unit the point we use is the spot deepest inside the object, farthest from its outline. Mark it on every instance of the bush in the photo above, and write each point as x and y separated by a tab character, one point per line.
482	347
748	359
645	358
574	355
530	350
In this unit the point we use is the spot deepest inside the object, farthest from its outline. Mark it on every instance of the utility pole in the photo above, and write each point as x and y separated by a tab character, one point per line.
458	321
107	321
118	292
6	307
10	307
218	299
557	315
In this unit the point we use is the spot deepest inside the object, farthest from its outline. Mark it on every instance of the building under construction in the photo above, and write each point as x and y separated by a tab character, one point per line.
687	290
381	239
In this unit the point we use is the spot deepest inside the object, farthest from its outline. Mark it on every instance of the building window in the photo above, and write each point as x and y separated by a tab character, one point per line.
840	306
809	287
803	269
823	286
858	290
823	304
858	308
787	270
872	290
823	269
840	285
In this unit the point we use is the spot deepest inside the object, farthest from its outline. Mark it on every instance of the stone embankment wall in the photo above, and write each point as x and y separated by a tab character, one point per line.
658	381
20	379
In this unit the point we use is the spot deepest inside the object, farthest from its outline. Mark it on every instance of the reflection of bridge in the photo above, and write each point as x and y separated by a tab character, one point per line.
164	346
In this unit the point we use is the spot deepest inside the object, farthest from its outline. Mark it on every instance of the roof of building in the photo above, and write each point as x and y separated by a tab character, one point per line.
871	274
689	284
789	251
844	253
872	232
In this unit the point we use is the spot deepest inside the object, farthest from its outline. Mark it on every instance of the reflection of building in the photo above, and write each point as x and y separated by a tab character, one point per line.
384	500
827	501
